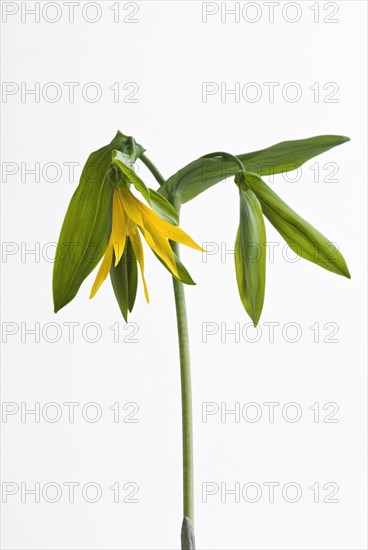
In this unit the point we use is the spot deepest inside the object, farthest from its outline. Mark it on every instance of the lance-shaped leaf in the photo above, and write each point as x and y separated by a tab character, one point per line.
119	160
163	207
119	281
124	279
132	272
300	235
286	156
250	254
85	230
196	177
184	275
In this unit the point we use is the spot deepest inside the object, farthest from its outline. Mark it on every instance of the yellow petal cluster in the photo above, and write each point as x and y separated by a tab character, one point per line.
130	217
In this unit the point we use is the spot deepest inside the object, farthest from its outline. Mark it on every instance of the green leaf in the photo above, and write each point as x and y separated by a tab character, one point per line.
184	275
163	207
250	254
85	230
119	160
288	155
132	272
124	279
119	281
300	235
195	178
205	172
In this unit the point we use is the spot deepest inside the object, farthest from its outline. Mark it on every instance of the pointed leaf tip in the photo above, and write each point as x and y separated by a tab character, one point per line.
306	241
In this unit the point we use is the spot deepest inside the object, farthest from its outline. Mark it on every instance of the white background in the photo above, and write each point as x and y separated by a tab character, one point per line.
169	53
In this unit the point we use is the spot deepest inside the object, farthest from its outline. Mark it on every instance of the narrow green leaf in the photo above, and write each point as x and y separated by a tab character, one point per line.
124	279
250	254
300	235
132	272
163	207
288	155
119	281
205	172
184	275
196	177
119	160
85	230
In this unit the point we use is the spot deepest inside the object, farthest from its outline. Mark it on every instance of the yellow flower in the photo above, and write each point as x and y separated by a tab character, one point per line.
129	214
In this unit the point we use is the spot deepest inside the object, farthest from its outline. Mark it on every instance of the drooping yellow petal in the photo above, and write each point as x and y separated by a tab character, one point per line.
133	209
103	271
147	236
166	229
156	231
119	227
163	249
138	251
131	205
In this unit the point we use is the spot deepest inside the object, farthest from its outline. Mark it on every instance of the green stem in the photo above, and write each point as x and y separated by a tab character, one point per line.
186	394
187	532
152	168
